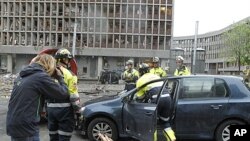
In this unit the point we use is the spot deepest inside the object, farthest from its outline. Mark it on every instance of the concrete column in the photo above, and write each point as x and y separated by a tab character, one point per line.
9	63
99	65
3	61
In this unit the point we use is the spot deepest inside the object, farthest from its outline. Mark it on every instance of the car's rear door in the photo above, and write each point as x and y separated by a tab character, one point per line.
201	106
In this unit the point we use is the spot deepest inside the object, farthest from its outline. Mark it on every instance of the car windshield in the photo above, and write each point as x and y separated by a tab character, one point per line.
122	93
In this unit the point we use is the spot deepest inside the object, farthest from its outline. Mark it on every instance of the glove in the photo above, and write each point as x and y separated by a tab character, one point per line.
75	101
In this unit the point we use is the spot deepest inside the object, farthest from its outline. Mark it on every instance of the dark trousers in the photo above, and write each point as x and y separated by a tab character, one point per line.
129	86
31	138
60	123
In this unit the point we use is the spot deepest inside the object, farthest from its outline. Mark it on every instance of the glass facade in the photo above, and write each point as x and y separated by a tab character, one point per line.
135	24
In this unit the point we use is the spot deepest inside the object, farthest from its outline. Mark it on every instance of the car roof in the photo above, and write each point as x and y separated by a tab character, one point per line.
204	75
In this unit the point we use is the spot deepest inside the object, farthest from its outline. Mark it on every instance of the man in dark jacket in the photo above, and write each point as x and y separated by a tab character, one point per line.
33	83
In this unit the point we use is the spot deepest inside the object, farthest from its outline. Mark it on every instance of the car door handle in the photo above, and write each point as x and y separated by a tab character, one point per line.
216	106
148	113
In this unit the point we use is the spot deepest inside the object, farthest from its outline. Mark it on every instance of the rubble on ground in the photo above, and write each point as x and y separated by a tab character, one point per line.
6	83
86	90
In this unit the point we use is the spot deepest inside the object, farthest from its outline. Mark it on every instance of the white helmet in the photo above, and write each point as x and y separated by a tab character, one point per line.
179	58
130	62
155	59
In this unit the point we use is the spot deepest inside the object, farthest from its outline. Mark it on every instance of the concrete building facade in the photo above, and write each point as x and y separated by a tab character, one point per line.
109	32
214	46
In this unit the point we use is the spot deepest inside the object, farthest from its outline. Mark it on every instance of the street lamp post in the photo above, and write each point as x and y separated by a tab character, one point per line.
195	46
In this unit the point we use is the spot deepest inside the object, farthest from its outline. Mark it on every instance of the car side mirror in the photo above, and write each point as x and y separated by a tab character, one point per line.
125	99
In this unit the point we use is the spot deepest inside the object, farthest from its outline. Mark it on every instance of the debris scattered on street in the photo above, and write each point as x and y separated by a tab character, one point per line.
6	84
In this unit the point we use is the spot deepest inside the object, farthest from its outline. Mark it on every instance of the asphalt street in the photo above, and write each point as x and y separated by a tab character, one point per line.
44	136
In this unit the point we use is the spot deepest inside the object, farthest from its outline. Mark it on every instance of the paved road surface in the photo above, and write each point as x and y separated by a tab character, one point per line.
43	129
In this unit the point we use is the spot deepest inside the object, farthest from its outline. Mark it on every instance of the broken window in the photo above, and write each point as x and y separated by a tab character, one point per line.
60	9
84	70
59	39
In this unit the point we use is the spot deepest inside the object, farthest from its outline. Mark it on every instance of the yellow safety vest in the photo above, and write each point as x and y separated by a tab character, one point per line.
158	71
71	81
129	75
144	79
184	71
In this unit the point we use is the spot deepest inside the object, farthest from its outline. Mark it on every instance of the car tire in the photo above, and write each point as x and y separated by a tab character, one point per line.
222	132
102	125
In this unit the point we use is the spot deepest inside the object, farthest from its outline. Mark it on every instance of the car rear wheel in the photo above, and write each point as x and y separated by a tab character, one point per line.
104	126
223	133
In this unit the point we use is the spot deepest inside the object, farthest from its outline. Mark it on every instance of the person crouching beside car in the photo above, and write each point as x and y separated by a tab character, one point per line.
33	83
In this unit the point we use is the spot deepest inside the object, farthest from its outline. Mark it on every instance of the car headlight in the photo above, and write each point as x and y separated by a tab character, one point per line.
82	109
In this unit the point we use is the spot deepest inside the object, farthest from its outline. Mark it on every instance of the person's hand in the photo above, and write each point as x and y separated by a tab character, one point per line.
58	73
104	137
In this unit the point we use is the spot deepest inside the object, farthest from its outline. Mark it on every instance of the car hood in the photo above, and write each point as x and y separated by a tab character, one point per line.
101	99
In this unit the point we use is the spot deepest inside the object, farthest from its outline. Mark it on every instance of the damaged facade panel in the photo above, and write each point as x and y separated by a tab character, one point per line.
142	24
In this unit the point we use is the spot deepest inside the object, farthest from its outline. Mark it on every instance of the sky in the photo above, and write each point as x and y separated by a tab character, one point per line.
212	15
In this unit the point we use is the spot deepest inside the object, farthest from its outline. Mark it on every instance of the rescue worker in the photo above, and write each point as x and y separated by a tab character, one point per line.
164	109
149	94
156	68
32	85
61	114
181	68
145	94
130	76
246	74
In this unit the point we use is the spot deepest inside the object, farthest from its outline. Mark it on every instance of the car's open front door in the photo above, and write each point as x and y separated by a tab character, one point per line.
139	119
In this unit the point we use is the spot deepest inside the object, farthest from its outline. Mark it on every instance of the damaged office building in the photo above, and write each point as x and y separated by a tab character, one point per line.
108	33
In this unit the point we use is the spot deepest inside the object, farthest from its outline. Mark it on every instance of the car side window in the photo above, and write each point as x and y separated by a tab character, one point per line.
220	88
171	87
196	88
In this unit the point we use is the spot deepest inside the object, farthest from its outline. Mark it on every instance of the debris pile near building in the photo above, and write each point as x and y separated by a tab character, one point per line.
6	84
86	90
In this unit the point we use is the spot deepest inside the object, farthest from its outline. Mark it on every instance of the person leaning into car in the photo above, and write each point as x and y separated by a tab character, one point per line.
147	93
33	83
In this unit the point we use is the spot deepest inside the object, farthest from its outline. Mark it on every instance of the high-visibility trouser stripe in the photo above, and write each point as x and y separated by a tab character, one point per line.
58	104
155	135
53	132
163	118
64	133
169	134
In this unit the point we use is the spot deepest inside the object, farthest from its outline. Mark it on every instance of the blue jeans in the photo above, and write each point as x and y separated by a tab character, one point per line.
31	138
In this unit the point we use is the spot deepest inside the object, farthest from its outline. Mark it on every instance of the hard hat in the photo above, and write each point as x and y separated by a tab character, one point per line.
143	68
179	58
129	62
155	59
63	53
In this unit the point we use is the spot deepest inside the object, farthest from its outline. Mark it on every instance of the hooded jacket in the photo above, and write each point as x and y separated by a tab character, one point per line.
30	86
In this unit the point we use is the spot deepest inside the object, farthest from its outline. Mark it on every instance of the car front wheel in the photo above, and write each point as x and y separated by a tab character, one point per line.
223	133
104	126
